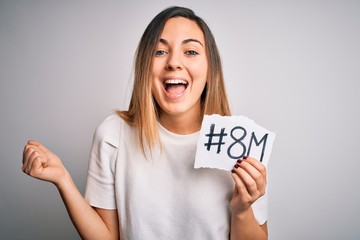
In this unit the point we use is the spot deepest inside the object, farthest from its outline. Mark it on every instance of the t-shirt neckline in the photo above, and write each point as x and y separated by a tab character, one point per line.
172	134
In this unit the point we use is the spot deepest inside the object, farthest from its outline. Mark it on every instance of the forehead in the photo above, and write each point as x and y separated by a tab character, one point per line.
180	28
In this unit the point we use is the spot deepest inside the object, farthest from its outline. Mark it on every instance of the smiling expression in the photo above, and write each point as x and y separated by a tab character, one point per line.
180	68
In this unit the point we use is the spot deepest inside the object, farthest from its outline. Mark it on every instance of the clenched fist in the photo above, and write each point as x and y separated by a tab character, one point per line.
40	163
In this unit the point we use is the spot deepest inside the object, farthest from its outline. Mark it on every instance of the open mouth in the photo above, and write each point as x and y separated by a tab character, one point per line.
175	87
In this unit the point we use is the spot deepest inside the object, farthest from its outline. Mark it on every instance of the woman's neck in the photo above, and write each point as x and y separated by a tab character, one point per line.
182	123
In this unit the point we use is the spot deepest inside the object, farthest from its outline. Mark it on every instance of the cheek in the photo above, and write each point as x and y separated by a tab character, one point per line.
200	69
154	87
158	65
200	75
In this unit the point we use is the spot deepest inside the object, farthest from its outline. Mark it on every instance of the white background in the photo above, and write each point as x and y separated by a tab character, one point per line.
292	66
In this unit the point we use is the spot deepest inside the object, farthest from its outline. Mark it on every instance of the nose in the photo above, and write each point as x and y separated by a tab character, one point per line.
173	62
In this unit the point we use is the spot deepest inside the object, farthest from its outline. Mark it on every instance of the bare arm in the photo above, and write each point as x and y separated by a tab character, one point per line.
250	183
91	223
246	227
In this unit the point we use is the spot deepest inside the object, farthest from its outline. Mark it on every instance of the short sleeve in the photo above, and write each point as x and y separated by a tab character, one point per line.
260	209
100	186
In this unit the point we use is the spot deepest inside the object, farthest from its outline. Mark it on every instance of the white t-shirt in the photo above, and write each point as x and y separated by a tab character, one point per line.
162	197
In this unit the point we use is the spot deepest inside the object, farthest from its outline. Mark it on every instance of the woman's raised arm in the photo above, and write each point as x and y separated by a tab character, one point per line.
40	163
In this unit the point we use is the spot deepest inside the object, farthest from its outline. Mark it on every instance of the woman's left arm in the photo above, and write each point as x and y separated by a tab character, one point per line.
250	183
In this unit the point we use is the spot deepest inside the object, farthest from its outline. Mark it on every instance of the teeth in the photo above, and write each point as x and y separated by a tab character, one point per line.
175	81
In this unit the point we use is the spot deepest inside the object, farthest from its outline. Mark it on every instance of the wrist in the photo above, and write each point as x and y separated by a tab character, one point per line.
64	181
241	216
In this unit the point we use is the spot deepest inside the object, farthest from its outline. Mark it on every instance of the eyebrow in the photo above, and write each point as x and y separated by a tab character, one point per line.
183	42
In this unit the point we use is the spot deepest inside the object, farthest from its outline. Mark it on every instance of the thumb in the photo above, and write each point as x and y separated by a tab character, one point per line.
39	165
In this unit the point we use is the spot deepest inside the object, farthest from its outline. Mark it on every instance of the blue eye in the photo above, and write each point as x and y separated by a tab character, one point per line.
160	52
191	52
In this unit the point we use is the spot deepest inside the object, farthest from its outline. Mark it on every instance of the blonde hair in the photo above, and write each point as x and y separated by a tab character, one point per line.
143	109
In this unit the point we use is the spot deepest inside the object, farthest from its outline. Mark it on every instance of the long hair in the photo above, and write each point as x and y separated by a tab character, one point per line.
143	110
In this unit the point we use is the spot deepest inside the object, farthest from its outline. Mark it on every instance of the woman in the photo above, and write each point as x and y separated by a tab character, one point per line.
141	181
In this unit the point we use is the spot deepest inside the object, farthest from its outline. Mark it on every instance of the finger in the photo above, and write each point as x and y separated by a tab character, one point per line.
38	145
25	151
33	142
247	179
24	156
257	171
28	150
258	165
258	175
35	156
38	165
29	158
240	185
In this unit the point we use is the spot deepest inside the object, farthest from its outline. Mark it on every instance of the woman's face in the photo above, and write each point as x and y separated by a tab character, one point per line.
180	68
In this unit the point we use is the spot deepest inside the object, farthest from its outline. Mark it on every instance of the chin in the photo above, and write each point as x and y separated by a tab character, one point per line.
174	112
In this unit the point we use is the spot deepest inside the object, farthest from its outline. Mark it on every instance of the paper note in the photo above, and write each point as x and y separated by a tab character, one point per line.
225	139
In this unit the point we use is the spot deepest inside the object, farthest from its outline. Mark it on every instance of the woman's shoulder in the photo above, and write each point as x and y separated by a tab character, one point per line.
110	123
109	130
